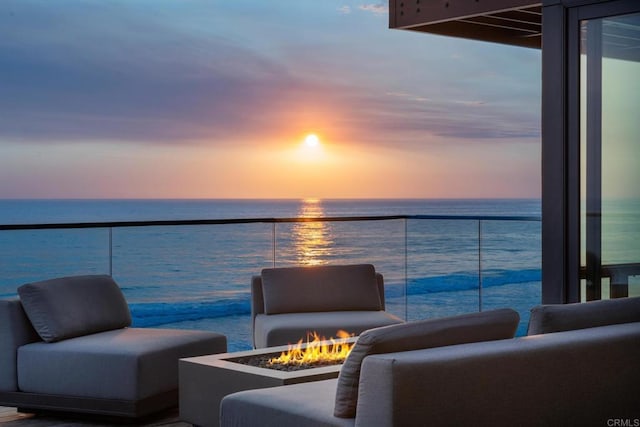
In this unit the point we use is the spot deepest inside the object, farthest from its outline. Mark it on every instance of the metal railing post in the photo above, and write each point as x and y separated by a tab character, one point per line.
273	243
479	265
406	272
110	251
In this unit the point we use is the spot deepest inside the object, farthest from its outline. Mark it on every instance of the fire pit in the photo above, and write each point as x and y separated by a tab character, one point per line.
205	380
315	353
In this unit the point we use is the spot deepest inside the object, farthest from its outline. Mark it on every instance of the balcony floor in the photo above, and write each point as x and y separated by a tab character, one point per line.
9	417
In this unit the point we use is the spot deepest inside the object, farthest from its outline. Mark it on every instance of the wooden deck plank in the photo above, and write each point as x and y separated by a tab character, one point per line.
10	417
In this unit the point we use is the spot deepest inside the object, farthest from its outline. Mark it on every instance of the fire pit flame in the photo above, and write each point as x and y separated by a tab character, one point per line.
317	350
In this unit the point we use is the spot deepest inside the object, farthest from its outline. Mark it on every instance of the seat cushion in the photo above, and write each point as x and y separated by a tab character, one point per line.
309	405
466	328
70	307
320	288
566	317
282	329
129	364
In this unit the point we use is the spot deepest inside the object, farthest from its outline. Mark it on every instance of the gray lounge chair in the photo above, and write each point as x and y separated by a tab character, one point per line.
66	345
288	303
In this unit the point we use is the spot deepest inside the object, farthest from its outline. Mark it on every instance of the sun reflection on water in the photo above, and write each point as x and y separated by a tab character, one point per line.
313	240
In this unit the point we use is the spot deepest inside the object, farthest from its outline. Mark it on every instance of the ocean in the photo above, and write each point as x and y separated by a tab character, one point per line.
198	276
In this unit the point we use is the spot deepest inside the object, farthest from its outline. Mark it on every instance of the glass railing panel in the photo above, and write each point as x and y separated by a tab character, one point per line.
442	265
33	255
197	276
192	277
381	243
511	267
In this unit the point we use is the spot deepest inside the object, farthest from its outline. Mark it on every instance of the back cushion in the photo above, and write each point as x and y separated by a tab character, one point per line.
74	306
467	328
566	317
322	288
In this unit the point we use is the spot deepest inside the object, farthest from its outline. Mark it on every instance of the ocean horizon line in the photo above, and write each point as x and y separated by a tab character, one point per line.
35	211
269	199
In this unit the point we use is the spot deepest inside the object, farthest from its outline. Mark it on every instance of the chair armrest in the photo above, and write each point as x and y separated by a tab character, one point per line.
380	281
15	331
257	299
257	303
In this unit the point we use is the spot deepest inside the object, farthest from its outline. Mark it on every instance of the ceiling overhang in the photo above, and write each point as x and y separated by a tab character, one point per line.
513	22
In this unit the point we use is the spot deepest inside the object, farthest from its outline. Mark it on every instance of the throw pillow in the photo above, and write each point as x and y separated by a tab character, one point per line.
320	288
566	317
74	306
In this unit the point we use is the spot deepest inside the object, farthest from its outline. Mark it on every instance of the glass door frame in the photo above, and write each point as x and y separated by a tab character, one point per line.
561	141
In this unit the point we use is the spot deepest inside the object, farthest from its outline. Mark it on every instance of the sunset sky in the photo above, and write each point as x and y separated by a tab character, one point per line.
214	99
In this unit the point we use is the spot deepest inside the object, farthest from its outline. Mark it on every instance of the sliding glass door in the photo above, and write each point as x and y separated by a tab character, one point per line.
610	156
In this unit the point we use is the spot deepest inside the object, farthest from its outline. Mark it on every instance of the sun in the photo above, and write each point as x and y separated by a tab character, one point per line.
310	149
311	140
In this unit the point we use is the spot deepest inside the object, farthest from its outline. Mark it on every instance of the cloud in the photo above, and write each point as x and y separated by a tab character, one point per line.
149	81
106	82
345	10
377	8
475	120
238	95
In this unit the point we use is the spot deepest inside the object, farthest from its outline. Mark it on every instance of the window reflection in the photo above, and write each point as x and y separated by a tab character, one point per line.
610	148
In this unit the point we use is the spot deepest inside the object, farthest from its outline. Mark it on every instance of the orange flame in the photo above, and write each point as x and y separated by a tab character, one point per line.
316	350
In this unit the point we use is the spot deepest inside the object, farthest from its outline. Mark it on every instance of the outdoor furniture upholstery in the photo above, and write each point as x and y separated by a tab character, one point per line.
586	373
66	345
288	303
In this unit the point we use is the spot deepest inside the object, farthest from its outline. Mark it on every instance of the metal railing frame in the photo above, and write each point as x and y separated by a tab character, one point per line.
274	221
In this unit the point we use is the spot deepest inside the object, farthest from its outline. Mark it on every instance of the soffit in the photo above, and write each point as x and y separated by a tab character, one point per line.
514	22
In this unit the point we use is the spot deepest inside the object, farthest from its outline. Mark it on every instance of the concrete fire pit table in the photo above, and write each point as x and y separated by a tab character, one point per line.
205	380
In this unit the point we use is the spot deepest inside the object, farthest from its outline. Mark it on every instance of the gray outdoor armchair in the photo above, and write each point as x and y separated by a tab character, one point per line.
66	345
289	303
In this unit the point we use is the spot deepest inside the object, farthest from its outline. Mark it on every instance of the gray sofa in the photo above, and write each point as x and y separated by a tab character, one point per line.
66	345
287	303
578	366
